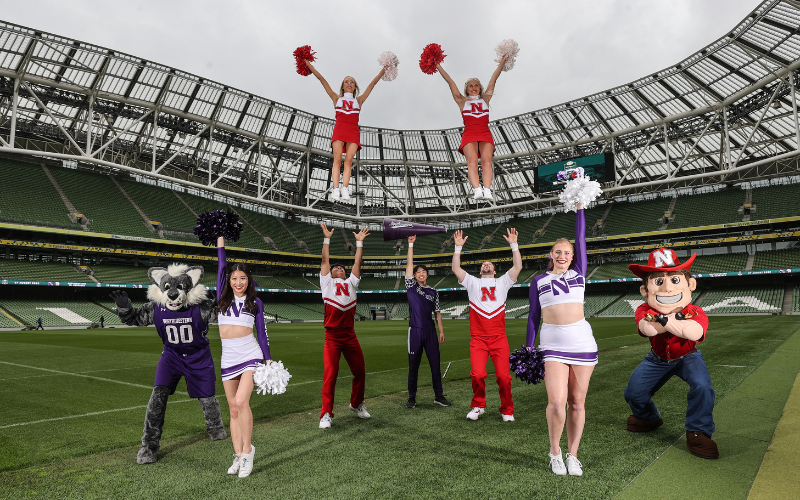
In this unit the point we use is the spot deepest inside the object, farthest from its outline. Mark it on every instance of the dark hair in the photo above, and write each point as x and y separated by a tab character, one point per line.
550	265
657	274
226	297
420	266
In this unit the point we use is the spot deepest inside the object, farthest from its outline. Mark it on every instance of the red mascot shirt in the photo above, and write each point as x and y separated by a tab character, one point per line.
666	345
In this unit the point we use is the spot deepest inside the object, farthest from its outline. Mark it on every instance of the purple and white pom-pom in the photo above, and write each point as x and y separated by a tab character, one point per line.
271	377
508	48
389	61
212	225
579	191
527	365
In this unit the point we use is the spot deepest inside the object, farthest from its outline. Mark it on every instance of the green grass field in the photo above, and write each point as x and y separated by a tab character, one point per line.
74	403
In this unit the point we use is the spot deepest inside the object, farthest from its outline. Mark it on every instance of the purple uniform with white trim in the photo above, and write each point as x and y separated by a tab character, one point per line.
186	351
423	301
241	354
573	343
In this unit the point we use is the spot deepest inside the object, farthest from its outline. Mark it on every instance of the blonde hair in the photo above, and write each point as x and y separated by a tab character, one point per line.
550	265
341	87
473	79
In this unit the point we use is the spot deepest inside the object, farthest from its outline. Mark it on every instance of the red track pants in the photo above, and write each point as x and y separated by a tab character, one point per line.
496	347
338	342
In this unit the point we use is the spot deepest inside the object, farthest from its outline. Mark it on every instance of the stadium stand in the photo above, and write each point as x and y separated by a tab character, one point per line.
25	270
402	310
58	313
723	263
6	322
450	281
563	224
708	208
161	205
746	299
612	270
776	201
636	217
796	299
596	302
778	259
22	182
625	306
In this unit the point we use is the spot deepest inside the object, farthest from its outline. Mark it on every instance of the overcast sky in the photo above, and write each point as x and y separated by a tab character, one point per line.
569	48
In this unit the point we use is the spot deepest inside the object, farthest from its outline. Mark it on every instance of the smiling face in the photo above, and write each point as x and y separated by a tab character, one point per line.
561	256
668	293
349	85
421	275
487	270
239	283
338	272
473	87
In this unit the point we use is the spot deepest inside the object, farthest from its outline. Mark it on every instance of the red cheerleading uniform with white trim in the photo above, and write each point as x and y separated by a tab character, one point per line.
346	127
476	123
487	304
339	296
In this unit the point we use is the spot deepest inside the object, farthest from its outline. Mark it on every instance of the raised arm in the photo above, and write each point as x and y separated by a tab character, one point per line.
325	268
410	259
534	314
359	251
453	88
459	240
580	241
261	331
132	316
333	95
513	273
222	266
489	92
368	90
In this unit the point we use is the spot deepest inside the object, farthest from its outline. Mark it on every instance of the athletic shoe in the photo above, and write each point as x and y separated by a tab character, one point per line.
361	411
234	469
411	403
325	421
508	418
477	193
345	193
335	194
246	463
441	401
557	464
487	194
574	466
475	413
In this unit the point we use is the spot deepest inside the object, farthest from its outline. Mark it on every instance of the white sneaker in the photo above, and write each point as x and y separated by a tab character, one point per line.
234	469
574	466
557	464
325	421
477	193
508	418
361	411
345	193
487	194
475	413
246	463
335	194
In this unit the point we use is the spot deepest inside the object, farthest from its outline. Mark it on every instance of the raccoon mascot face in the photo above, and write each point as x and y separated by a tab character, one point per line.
176	286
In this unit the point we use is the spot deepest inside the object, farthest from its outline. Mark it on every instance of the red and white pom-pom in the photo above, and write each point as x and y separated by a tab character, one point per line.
431	56
301	55
389	61
508	49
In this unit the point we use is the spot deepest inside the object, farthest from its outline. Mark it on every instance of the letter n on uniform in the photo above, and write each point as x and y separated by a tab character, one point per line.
342	289
487	293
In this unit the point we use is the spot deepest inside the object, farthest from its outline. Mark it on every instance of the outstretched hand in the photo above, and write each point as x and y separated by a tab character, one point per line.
512	235
325	231
459	239
361	234
120	298
412	239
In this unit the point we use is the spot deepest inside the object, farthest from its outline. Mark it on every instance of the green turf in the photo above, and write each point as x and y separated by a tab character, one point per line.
427	452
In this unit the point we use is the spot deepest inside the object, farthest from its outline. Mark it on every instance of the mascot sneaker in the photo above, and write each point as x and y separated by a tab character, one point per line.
246	463
361	411
701	445
508	418
325	421
574	466
475	413
345	193
557	464
234	469
335	194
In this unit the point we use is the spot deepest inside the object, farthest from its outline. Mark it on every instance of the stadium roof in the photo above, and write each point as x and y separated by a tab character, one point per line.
724	114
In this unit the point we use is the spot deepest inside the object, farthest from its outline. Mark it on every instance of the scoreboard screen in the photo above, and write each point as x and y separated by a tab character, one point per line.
553	176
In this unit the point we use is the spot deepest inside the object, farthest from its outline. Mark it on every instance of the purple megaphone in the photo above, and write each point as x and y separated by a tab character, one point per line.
394	229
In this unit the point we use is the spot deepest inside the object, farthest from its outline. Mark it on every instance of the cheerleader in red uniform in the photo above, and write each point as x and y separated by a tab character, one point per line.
346	136
476	141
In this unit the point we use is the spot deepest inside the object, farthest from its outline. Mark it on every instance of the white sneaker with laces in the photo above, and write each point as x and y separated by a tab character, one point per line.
361	411
246	462
325	421
475	413
477	193
487	194
335	194
345	192
508	418
234	469
557	464
574	466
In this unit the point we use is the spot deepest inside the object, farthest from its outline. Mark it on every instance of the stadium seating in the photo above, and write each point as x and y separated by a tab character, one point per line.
636	217
748	299
796	299
58	313
778	259
563	224
776	201
723	263
708	208
626	306
402	309
371	283
596	302
23	270
6	322
612	270
450	281
28	197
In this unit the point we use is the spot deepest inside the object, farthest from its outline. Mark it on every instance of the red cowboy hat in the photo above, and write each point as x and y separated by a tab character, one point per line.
661	259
